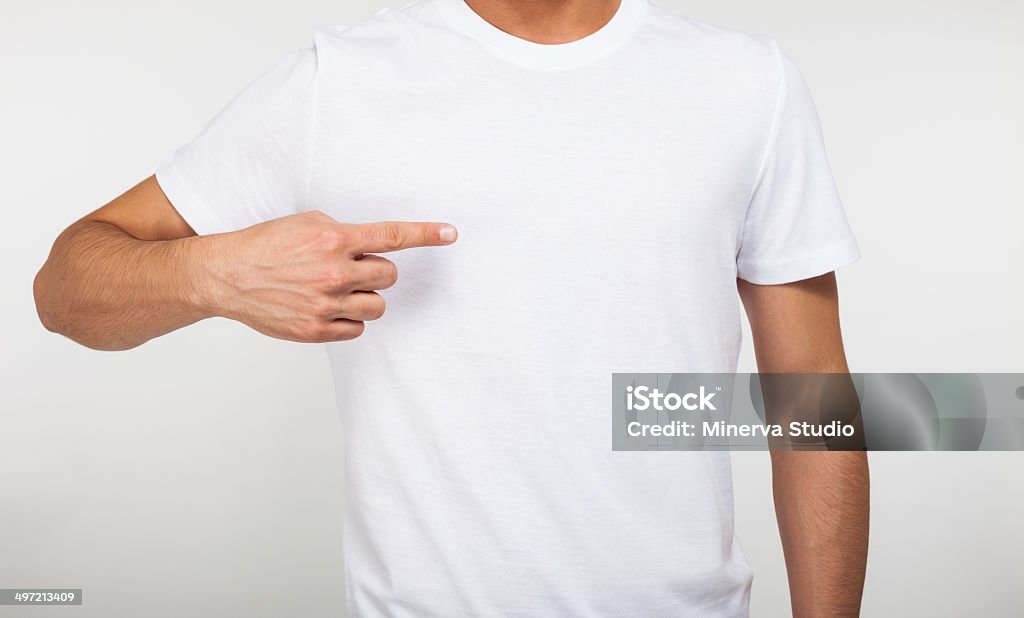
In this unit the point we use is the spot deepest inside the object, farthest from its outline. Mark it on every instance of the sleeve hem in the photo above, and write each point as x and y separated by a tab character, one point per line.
824	260
198	215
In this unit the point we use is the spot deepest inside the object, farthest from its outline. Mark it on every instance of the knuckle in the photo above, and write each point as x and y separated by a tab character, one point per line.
328	239
338	279
342	237
317	215
391	236
324	308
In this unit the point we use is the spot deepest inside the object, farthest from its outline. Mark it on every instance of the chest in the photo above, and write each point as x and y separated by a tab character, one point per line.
554	150
578	202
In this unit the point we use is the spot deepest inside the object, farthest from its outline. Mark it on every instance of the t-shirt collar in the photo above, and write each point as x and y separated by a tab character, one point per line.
626	20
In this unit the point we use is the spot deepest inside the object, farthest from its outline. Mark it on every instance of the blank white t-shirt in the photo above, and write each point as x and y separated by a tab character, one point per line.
608	192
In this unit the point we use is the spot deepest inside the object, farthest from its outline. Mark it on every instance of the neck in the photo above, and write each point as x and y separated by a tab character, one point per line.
549	22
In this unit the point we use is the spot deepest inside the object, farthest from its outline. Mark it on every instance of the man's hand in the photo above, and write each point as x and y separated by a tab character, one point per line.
308	278
134	270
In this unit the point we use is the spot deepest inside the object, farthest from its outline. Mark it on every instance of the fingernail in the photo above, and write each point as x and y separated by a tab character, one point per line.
448	233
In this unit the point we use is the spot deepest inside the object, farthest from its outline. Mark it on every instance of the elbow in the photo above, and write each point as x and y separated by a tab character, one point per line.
61	308
68	300
44	305
55	316
52	309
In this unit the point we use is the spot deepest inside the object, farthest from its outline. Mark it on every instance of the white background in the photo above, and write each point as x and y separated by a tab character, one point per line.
200	474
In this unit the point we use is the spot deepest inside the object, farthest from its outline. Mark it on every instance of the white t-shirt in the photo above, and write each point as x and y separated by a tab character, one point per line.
607	192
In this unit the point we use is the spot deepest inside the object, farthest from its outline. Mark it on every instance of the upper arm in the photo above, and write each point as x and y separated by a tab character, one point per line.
145	213
249	164
795	226
253	161
795	326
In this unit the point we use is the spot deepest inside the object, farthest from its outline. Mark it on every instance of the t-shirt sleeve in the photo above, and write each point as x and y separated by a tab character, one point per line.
795	226
251	163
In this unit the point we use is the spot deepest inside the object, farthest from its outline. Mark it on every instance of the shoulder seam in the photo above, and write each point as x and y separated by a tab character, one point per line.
773	129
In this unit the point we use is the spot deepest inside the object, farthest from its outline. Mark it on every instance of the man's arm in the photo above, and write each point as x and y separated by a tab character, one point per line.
134	270
821	498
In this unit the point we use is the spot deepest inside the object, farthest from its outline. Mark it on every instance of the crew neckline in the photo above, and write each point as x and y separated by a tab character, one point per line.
607	38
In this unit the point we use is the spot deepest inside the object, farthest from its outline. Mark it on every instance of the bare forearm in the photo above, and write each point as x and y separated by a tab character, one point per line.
108	290
821	497
821	500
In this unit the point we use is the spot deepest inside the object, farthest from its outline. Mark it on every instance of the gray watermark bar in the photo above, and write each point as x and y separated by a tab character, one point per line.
40	596
823	411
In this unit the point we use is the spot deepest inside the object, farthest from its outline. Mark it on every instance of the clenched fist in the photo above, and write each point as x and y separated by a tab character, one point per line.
309	278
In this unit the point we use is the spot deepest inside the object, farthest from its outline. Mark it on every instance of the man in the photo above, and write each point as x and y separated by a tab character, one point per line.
615	171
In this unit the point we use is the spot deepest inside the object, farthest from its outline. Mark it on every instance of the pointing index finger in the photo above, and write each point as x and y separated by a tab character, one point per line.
385	236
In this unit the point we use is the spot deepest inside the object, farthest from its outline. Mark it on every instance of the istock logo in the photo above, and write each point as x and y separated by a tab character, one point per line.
644	398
